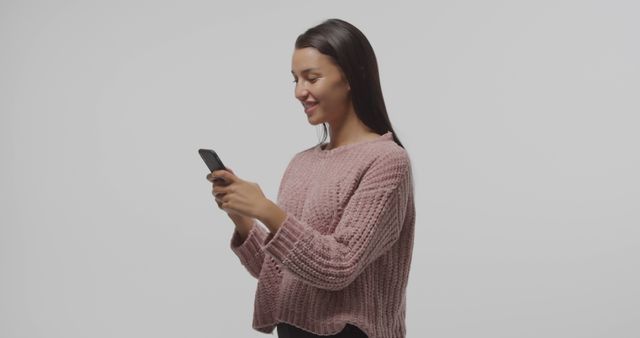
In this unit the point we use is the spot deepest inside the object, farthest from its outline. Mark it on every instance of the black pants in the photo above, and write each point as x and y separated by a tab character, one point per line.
289	331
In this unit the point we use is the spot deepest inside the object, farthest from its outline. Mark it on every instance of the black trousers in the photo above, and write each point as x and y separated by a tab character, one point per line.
289	331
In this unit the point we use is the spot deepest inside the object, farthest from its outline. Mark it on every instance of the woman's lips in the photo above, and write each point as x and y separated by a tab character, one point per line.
310	109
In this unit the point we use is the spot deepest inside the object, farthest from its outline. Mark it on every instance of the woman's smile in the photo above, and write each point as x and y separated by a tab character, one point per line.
310	107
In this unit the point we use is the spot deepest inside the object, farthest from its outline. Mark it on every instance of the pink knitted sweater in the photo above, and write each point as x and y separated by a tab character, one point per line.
343	253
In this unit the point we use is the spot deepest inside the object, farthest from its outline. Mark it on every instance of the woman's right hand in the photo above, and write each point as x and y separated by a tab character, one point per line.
218	182
241	221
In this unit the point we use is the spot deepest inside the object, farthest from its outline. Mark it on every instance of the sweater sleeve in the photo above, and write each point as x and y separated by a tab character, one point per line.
250	251
369	226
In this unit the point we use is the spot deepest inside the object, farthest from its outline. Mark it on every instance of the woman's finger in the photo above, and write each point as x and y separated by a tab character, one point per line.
218	201
219	188
218	191
226	175
217	179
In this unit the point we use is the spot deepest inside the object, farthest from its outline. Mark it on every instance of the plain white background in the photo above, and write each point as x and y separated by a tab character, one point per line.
521	119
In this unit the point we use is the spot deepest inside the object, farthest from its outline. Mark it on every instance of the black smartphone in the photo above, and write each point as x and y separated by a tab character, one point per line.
211	159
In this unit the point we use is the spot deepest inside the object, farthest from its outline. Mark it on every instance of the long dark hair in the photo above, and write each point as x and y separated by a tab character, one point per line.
350	50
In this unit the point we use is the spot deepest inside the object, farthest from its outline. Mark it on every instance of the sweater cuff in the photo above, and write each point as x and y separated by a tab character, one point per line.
251	246
280	243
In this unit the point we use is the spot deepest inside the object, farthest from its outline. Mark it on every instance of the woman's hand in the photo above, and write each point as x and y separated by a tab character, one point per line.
220	182
235	195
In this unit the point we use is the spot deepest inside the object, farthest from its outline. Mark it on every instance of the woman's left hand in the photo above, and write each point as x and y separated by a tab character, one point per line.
238	196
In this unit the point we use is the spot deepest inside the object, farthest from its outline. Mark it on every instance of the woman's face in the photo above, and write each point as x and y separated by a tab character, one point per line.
319	81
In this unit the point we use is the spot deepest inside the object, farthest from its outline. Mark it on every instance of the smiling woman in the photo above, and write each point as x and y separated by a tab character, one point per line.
322	88
334	260
336	75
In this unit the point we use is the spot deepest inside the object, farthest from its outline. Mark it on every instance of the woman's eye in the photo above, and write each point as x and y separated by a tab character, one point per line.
311	80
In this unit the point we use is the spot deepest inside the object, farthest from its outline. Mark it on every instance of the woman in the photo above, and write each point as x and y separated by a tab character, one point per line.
335	259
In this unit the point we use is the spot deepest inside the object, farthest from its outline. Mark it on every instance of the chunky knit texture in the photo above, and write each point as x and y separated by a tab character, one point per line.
343	253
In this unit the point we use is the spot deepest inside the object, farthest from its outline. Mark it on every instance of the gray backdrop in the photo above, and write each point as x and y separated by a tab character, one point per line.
521	119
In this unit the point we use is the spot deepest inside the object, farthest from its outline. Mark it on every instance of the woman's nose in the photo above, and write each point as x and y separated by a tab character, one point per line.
301	94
